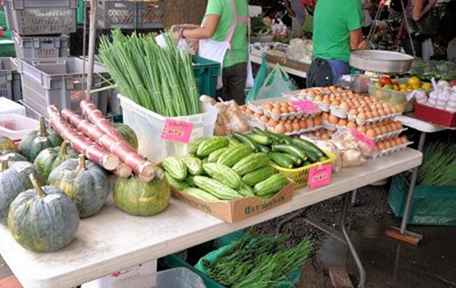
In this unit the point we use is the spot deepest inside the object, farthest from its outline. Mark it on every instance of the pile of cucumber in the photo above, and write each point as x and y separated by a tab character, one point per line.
285	151
224	168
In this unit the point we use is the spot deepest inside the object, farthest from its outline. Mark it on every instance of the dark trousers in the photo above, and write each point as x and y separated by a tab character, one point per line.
234	81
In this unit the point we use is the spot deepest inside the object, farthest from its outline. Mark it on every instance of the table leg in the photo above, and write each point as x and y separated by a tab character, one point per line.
402	234
351	247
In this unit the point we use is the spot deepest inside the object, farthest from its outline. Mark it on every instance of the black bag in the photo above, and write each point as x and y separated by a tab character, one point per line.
320	74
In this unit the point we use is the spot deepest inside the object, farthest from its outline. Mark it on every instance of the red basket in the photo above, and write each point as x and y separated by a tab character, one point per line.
435	116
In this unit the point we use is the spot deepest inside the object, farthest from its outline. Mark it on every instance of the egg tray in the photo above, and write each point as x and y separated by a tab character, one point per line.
282	116
390	151
389	135
255	123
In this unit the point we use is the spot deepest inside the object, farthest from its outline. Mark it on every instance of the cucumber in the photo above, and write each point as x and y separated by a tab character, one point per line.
233	141
223	174
263	148
259	138
296	160
281	159
194	165
289	149
251	163
259	175
176	184
234	154
214	156
210	145
246	191
272	185
193	146
274	137
200	194
216	188
308	146
175	167
245	140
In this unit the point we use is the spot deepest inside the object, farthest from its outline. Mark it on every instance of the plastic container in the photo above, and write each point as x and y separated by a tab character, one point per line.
149	125
432	205
391	96
8	106
179	278
16	126
206	73
7	48
129	14
299	175
37	17
435	115
58	82
40	47
7	68
140	276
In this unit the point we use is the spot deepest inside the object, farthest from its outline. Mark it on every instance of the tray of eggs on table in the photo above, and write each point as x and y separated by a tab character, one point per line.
346	109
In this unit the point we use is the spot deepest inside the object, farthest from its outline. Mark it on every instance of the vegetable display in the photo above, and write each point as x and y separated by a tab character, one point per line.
256	261
43	219
7	145
84	183
128	134
39	140
226	168
439	165
14	179
12	157
159	79
139	198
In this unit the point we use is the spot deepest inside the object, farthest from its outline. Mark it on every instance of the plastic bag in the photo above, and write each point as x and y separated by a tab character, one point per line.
277	83
259	81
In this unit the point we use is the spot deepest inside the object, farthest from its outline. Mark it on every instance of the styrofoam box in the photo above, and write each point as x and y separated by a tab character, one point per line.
149	125
16	126
140	276
8	107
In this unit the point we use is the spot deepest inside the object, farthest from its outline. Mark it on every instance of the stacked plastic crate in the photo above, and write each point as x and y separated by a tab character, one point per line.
50	76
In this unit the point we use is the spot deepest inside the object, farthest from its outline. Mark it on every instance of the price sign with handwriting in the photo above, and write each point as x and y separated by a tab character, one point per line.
177	131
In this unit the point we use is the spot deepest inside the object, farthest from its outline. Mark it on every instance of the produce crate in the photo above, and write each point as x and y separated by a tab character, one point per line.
58	82
435	115
36	17
206	73
129	14
391	96
149	125
7	70
16	126
299	175
432	205
41	47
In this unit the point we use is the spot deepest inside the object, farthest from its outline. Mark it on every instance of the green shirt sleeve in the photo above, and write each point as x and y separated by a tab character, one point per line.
214	7
354	14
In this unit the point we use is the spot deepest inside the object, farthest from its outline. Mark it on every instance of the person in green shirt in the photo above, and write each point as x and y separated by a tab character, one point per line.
337	31
226	26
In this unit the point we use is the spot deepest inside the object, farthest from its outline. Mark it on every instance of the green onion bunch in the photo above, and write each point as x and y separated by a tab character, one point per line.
439	165
158	79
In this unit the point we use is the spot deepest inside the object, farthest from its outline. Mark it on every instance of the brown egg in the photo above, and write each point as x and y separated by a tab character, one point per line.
317	121
273	123
375	114
384	129
371	133
398	126
344	106
404	140
326	101
303	124
283	104
280	128
291	109
288	127
333	119
268	106
296	126
353	112
369	115
362	129
310	123
276	111
283	109
335	103
398	141
325	116
342	122
318	99
378	131
361	117
264	119
381	146
351	124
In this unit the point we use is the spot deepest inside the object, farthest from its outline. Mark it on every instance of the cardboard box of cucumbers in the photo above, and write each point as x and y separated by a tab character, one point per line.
238	176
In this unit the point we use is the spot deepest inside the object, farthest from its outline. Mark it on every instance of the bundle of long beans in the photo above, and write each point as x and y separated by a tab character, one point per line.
439	165
159	79
258	261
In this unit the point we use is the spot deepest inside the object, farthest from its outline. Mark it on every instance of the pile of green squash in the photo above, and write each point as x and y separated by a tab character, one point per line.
46	188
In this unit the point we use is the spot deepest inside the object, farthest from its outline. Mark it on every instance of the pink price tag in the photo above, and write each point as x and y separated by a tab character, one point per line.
306	106
319	176
361	137
177	131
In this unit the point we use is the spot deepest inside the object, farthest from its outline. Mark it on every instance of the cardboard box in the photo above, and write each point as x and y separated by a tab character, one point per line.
237	210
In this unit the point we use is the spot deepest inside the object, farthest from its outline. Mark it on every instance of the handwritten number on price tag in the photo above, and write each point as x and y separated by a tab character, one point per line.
177	131
320	176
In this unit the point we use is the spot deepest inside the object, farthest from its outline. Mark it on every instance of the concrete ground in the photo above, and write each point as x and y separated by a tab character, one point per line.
389	264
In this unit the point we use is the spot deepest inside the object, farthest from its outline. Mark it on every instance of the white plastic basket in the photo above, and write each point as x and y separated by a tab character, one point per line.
149	125
16	126
8	106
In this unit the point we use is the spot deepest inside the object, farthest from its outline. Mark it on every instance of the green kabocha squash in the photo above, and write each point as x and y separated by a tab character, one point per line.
139	198
12	157
43	219
39	140
128	134
14	179
7	145
50	158
83	182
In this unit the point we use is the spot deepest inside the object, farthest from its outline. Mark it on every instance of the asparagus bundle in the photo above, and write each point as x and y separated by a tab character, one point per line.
159	79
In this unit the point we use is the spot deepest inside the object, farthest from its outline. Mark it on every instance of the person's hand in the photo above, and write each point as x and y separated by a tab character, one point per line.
176	32
189	26
363	45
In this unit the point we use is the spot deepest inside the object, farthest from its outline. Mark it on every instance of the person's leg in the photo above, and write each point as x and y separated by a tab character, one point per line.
234	81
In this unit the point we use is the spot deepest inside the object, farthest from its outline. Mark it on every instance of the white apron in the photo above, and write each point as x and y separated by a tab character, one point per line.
216	50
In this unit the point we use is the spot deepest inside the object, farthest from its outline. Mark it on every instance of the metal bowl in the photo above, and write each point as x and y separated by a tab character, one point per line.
381	61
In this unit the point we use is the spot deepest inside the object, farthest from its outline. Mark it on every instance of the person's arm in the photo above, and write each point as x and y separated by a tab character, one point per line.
354	14
204	32
357	40
419	10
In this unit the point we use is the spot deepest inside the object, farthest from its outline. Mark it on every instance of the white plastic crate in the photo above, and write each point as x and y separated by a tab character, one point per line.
149	125
140	276
41	47
7	107
16	127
